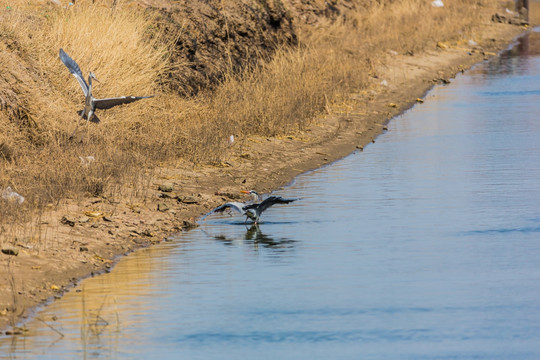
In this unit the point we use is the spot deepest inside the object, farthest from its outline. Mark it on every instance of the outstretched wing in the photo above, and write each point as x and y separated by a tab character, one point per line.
111	102
266	203
75	70
236	206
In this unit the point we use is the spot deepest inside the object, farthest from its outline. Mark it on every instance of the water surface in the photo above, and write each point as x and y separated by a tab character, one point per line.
424	246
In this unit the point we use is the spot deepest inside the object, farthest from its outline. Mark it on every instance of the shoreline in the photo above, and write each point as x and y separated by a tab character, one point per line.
85	237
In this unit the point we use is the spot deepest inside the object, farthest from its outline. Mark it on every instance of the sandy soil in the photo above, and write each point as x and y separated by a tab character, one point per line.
82	238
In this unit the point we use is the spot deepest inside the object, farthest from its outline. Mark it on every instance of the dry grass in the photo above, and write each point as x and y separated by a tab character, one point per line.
38	97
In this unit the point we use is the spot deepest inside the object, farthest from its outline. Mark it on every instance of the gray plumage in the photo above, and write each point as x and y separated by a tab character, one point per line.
91	103
253	210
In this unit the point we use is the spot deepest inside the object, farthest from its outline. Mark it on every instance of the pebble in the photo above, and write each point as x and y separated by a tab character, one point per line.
188	200
162	207
188	225
10	251
166	187
68	221
84	219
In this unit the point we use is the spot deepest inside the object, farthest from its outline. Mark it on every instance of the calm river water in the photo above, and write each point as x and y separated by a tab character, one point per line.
424	246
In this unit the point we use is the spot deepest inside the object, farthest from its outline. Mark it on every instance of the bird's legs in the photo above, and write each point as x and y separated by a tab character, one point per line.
90	114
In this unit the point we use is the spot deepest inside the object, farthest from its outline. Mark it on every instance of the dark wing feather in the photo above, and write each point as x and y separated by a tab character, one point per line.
111	102
75	70
266	203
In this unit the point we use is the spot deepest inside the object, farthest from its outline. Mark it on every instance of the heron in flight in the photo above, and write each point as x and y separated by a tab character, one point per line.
253	210
91	103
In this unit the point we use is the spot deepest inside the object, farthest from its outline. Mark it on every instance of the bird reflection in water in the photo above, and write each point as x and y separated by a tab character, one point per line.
257	238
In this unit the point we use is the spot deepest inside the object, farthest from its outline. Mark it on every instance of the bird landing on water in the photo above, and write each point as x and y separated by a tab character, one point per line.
252	210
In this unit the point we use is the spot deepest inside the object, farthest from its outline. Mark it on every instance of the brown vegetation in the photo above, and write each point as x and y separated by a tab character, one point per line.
135	51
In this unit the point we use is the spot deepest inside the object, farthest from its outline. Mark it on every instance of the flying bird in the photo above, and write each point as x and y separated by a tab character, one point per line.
91	103
252	210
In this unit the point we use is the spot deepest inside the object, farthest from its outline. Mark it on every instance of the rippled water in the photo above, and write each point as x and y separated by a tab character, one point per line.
424	246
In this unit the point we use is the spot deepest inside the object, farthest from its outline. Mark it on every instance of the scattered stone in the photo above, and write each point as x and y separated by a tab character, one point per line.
83	248
10	251
68	221
442	45
360	147
229	195
441	80
148	233
188	225
84	219
418	100
167	195
93	214
166	187
188	200
512	20
392	105
162	207
107	218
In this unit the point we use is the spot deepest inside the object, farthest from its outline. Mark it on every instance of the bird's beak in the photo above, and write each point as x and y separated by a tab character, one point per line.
244	191
94	77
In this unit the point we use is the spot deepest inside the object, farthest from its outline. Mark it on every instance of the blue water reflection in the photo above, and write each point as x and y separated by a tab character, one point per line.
424	246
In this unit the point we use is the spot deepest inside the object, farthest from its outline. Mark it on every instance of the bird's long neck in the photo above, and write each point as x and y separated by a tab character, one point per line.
256	196
89	85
